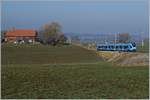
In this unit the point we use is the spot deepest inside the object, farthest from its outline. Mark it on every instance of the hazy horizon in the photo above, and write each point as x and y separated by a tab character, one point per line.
91	17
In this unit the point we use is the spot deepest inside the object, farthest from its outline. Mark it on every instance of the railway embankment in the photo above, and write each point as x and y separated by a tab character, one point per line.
125	58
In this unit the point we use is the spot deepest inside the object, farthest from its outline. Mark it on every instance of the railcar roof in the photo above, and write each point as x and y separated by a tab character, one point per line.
116	44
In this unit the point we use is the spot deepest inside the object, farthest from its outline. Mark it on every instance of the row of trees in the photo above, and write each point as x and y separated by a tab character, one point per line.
51	34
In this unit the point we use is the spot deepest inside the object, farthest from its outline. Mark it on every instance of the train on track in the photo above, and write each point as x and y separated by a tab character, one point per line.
125	47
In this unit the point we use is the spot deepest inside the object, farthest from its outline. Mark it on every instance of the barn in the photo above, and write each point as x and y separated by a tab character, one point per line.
21	35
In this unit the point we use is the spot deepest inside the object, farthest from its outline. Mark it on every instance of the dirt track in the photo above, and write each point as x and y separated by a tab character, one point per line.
125	58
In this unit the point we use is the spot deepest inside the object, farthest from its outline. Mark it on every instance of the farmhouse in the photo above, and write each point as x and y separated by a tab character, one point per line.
20	35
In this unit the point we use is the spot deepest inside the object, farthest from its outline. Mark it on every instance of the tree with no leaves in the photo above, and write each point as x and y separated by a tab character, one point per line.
124	38
52	34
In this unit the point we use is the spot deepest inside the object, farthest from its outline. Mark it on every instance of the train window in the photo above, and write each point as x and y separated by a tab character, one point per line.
120	47
125	47
133	44
117	47
112	46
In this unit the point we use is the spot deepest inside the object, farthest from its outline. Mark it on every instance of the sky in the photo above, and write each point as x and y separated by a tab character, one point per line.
81	16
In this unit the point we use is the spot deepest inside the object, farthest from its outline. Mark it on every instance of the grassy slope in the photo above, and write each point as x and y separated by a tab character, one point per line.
26	79
144	49
29	54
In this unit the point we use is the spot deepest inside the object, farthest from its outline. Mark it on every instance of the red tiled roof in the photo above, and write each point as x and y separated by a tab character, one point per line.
21	33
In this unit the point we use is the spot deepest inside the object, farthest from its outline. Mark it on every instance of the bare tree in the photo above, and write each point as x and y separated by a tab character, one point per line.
123	38
52	34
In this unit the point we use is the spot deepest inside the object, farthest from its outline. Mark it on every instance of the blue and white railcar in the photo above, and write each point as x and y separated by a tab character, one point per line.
127	47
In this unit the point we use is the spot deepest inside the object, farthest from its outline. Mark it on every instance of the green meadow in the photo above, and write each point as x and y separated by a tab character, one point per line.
38	71
144	49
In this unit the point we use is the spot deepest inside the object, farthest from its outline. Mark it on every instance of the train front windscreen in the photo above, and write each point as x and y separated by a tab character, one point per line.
133	44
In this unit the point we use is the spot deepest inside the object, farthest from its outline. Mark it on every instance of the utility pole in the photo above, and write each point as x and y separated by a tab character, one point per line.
115	40
142	42
105	38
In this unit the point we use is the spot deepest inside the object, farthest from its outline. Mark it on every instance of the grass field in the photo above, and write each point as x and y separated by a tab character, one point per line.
144	49
40	54
67	72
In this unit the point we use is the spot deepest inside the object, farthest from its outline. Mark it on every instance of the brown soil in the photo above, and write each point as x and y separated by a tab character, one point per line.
126	58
